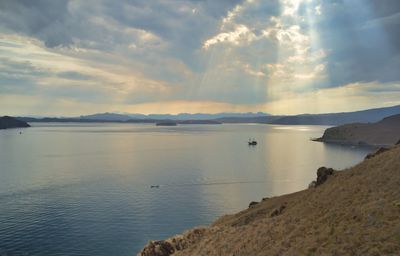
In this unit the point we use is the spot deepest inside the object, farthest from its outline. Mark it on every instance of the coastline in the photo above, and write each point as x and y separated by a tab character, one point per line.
380	134
350	143
343	216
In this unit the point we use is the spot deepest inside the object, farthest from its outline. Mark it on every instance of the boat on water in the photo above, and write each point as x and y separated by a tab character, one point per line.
252	142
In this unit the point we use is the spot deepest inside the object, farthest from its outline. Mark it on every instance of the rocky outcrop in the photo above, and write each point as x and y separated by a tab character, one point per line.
158	248
174	244
323	174
253	204
7	122
278	211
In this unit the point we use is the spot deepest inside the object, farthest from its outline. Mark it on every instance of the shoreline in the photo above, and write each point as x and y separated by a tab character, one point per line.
341	215
350	143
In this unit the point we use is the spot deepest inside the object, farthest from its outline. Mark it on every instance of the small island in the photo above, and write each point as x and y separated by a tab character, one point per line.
199	122
7	122
166	123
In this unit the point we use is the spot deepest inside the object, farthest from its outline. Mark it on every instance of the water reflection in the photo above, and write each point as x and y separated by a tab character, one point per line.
73	189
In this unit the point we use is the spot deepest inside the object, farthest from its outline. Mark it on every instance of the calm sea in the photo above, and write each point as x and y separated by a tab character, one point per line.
85	189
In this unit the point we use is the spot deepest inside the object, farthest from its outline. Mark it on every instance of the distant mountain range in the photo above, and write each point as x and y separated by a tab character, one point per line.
182	116
364	116
107	117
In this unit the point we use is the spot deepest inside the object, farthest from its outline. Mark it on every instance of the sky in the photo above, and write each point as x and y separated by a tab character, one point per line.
73	57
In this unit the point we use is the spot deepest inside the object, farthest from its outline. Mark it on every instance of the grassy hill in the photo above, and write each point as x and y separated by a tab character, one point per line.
355	212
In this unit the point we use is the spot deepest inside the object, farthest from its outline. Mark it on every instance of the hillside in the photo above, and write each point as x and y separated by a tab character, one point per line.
384	132
7	122
364	116
106	117
355	212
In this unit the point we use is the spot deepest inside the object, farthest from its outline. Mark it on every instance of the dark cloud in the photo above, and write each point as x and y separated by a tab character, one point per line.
19	76
165	38
362	46
42	19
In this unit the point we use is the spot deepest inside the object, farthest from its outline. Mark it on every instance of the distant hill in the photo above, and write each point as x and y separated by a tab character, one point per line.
182	116
364	116
7	122
201	116
256	119
382	133
106	117
64	120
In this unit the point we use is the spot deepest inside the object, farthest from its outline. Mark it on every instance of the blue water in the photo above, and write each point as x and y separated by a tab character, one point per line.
84	189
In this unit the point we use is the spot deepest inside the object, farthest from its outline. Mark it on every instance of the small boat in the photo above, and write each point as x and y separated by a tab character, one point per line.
252	142
154	186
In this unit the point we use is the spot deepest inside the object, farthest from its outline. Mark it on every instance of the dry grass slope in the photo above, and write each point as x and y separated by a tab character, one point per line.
355	212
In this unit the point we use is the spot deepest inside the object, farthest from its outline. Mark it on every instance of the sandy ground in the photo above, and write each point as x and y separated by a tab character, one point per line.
355	212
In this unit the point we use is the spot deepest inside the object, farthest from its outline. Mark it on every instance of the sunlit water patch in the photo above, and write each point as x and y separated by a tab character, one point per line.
85	189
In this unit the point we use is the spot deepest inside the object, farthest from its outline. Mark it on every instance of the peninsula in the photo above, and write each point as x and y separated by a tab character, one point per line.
383	133
7	122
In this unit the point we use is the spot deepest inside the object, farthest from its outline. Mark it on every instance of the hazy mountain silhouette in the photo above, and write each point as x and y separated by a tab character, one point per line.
181	116
364	116
107	116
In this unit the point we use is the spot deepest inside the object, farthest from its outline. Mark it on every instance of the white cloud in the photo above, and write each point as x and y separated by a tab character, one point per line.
241	34
290	7
114	82
245	54
318	10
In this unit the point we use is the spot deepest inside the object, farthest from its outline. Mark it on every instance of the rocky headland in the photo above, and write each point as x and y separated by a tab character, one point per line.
7	122
350	212
383	133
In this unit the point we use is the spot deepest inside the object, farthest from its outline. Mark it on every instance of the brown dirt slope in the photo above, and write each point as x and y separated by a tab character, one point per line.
384	132
355	212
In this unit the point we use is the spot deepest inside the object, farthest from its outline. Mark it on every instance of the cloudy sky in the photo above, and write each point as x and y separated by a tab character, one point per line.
72	57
